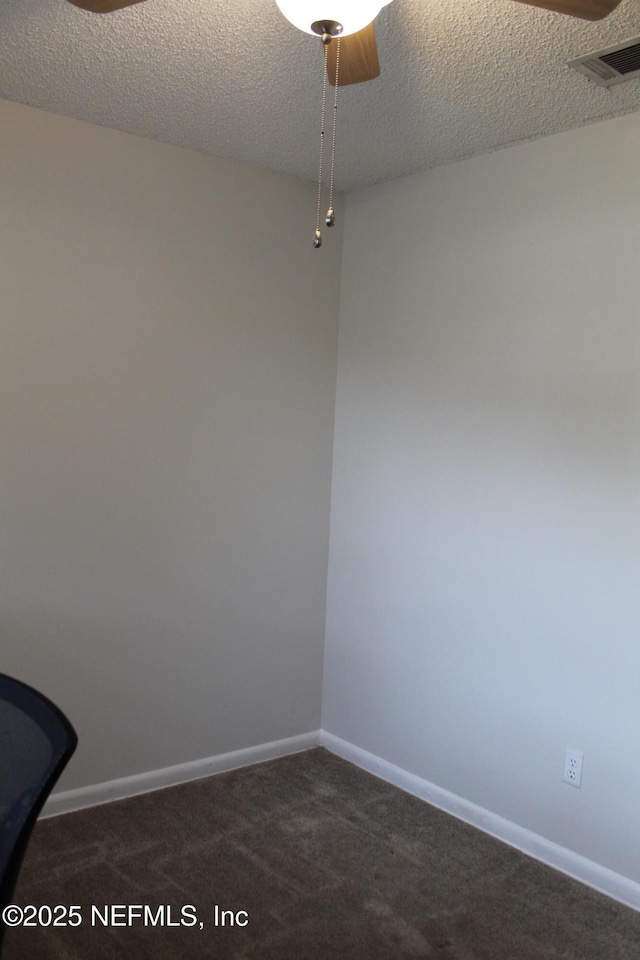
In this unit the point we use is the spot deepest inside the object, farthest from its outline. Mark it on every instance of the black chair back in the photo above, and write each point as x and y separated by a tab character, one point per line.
36	742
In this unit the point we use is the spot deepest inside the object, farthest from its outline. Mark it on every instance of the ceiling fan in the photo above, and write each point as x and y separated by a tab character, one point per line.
359	54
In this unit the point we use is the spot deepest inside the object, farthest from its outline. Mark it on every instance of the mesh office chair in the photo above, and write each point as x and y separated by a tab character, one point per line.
36	742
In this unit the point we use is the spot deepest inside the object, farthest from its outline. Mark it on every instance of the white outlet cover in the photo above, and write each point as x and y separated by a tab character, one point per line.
573	763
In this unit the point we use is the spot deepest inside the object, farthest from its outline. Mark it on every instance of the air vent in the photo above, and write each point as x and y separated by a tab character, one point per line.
611	66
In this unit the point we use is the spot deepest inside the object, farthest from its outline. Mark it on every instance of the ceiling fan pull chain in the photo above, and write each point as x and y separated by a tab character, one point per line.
317	237
330	219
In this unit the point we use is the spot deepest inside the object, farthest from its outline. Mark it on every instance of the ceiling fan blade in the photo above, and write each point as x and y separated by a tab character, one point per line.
358	58
585	9
103	6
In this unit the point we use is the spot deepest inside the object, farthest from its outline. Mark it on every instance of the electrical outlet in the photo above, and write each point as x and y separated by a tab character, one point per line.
573	767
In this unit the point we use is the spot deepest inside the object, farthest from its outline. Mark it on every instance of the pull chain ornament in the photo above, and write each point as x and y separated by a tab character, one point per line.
330	217
317	237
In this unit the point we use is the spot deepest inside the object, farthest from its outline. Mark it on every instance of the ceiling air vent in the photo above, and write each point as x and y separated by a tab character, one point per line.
611	66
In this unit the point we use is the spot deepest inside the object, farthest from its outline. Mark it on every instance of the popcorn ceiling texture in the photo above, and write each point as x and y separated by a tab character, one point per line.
459	78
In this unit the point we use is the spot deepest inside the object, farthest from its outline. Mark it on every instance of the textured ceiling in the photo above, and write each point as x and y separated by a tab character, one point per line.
459	77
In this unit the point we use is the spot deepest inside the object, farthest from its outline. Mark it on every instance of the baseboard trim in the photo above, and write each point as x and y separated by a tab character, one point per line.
70	800
592	874
600	878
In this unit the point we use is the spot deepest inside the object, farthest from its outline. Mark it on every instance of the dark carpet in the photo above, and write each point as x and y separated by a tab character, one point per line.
322	859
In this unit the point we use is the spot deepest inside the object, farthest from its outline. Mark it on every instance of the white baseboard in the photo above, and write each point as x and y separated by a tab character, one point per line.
606	881
70	800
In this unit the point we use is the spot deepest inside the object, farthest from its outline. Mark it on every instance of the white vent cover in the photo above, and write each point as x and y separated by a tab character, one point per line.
611	66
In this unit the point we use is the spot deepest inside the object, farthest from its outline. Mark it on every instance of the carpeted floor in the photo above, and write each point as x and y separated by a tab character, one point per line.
325	861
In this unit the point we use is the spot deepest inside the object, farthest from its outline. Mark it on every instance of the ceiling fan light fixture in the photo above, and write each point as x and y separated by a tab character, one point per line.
351	15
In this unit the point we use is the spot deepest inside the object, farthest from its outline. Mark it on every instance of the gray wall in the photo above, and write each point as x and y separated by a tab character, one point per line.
483	603
167	386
